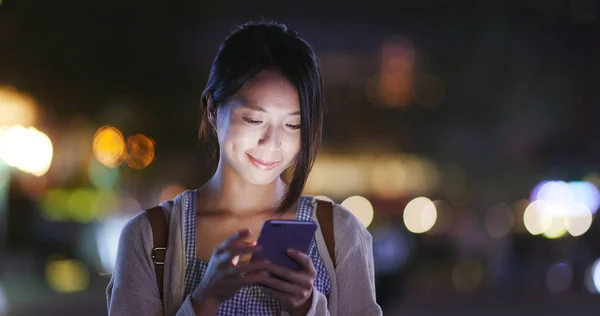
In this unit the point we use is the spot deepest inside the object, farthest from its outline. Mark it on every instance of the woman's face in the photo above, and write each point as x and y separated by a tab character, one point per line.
259	128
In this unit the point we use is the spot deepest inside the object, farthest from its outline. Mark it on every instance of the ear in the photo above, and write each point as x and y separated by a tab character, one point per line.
211	111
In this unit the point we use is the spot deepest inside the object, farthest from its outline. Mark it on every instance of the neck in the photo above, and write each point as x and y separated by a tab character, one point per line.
227	192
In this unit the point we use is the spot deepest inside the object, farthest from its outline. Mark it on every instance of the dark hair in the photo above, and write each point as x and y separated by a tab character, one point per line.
251	49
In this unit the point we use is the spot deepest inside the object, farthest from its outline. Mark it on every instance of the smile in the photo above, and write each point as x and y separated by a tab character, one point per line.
264	165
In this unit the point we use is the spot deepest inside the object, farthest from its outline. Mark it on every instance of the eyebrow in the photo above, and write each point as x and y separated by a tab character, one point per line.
261	109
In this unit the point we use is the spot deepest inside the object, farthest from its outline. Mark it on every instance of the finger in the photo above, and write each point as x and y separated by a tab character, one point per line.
240	235
283	286
252	278
303	260
296	277
252	267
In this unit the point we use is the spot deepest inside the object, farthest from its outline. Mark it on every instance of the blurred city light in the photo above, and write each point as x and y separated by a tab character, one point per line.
80	205
579	220
390	249
3	299
140	151
16	108
339	175
26	149
535	219
361	208
420	215
107	242
101	176
499	220
592	277
562	195
109	146
54	205
559	277
67	276
170	192
556	229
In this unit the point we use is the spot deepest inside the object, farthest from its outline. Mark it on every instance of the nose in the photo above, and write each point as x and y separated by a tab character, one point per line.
271	138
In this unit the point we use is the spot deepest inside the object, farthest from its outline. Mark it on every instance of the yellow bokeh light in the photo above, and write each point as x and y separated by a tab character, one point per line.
579	220
388	177
140	151
420	215
557	228
316	179
16	108
361	208
109	146
536	219
27	149
67	275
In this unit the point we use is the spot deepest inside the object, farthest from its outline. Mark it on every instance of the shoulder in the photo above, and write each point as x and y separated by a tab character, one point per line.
346	224
138	228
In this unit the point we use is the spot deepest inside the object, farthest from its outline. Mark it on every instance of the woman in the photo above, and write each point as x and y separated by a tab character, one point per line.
262	112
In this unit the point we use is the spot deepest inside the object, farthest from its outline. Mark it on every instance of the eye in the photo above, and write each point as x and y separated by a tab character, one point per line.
293	127
251	121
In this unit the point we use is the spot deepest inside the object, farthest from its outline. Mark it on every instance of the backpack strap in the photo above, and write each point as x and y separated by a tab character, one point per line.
325	218
160	235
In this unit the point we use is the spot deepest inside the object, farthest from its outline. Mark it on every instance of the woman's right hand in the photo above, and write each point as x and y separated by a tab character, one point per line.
224	277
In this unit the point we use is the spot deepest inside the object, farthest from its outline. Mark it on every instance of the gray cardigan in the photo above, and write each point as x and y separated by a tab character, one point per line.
133	291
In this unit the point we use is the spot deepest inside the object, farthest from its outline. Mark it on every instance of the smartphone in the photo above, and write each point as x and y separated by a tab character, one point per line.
276	236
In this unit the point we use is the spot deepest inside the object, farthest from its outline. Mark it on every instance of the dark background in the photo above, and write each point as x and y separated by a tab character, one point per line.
503	95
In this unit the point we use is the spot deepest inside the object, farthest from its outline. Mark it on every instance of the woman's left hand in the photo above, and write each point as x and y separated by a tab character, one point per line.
295	291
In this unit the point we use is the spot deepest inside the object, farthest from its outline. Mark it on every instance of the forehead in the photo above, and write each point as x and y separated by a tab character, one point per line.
270	90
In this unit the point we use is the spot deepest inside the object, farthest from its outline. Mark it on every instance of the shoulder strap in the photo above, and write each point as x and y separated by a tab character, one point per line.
160	235
325	217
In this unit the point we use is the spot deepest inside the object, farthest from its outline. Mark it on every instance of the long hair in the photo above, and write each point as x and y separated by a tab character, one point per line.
251	49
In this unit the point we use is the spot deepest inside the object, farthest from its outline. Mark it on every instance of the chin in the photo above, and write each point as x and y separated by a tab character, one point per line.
263	179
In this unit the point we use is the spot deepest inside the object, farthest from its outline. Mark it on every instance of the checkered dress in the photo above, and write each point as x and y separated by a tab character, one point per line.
249	300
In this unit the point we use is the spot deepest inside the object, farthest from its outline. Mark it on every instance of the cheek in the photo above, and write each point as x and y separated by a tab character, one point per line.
240	137
292	146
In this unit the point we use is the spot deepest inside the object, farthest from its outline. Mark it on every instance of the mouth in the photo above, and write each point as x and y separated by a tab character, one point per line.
261	164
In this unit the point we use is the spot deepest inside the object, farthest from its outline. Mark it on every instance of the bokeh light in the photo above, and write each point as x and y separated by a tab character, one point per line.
420	215
16	108
109	146
27	149
54	205
579	220
536	220
361	208
499	220
140	151
3	299
391	249
559	277
101	176
107	242
67	275
556	229
592	277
